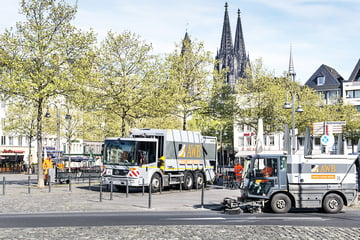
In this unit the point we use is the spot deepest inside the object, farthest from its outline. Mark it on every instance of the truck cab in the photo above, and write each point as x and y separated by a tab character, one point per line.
265	174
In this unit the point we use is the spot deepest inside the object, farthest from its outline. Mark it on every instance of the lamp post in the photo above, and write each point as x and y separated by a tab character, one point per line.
299	109
67	117
291	105
221	149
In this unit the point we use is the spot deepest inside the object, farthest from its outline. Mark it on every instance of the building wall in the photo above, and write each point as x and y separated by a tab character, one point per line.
351	93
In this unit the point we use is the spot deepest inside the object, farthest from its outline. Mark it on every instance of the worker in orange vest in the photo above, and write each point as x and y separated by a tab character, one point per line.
267	171
238	171
47	164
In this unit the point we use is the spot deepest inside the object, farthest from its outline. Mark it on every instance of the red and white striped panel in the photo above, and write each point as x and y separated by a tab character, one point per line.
134	173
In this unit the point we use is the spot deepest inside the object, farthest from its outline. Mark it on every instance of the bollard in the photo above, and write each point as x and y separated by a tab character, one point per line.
111	189
100	190
196	182
4	185
69	180
28	184
127	187
181	181
202	194
160	187
49	182
149	203
89	182
143	186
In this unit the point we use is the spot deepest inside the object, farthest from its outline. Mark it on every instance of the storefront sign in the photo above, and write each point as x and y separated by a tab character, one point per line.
12	151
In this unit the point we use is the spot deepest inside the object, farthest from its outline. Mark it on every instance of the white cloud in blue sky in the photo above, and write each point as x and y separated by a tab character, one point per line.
320	31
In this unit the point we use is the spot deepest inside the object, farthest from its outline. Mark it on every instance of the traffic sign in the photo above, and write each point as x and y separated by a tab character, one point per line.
327	140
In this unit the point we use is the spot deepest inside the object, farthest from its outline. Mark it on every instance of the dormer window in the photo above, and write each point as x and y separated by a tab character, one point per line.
320	80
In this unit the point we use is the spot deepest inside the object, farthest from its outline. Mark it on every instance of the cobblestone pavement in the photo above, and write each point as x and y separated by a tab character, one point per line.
83	198
183	232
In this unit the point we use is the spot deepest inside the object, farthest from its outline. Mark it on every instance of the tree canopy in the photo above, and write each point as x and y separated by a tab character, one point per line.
44	57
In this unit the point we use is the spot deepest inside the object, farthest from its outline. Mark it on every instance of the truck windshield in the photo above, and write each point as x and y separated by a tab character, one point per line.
129	153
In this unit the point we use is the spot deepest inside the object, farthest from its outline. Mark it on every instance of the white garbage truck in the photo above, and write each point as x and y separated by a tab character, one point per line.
280	182
160	158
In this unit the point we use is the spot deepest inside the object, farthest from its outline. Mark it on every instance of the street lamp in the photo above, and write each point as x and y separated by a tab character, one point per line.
221	148
299	109
67	117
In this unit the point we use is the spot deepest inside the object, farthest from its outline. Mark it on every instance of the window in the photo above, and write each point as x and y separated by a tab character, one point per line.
247	141
322	95
320	80
353	94
11	141
271	141
241	141
20	142
3	140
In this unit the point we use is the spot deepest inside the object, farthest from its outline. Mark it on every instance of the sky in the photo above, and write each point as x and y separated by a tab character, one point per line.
318	31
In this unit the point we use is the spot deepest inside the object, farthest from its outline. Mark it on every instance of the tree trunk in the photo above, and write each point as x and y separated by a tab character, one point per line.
29	157
39	144
123	129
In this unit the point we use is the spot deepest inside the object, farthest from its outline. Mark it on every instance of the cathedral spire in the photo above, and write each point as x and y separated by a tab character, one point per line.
232	58
291	72
239	51
239	45
226	40
186	42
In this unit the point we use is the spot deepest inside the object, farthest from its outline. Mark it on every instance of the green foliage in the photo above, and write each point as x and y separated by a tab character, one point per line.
128	80
189	70
45	56
261	96
20	119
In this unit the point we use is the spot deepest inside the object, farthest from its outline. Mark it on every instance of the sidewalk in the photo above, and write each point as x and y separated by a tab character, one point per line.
81	198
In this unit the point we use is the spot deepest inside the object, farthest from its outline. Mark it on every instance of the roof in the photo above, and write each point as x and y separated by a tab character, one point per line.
333	80
355	73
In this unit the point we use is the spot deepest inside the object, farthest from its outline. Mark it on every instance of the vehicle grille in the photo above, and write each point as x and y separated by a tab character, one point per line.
122	172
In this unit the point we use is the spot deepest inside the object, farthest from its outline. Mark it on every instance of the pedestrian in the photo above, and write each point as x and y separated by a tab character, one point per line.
47	164
238	171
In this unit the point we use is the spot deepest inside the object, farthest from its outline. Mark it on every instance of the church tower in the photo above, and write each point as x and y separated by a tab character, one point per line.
232	57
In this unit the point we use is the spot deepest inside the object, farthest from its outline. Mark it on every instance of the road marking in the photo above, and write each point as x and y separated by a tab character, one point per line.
195	219
230	219
282	218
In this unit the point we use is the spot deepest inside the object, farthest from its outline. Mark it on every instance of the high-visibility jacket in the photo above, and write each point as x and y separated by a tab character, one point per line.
267	171
238	170
47	164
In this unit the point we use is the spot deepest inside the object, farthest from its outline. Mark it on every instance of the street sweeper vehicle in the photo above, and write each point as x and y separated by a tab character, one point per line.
280	182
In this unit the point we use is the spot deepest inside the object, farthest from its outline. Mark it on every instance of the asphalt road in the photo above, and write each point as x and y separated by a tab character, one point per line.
348	219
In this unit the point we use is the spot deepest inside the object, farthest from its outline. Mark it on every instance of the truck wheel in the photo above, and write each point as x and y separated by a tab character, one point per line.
155	183
333	203
199	180
280	203
188	180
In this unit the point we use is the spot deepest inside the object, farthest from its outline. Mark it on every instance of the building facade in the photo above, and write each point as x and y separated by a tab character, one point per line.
328	83
351	88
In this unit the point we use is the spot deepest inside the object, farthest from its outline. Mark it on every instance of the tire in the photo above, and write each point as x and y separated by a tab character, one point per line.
199	180
280	203
188	181
155	183
332	203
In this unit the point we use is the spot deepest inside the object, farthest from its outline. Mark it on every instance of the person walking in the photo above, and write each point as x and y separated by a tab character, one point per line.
47	164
